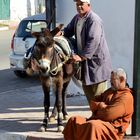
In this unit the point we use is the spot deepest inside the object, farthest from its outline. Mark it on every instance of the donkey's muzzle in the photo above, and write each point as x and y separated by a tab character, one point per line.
44	65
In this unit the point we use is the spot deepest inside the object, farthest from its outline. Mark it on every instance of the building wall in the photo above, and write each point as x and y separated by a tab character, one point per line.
118	19
4	9
20	9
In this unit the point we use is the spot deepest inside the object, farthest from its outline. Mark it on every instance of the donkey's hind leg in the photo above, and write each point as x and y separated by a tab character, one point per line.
54	113
64	104
59	104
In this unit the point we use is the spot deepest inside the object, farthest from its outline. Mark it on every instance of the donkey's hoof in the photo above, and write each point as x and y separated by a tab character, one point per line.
65	117
60	128
51	119
42	129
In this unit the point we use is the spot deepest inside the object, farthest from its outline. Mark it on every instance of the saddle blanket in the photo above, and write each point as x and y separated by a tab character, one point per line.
62	44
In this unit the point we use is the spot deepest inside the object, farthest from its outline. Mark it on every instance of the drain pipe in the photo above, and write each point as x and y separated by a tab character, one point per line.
50	6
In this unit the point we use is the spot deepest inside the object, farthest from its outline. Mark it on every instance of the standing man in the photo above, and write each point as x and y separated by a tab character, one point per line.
92	50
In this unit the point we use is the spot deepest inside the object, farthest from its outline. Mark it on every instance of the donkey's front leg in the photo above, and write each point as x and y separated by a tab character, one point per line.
44	125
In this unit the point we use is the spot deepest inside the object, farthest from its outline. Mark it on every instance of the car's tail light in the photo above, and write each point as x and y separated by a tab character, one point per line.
12	42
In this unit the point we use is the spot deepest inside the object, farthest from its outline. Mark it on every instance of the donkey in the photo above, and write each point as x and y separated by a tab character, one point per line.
52	62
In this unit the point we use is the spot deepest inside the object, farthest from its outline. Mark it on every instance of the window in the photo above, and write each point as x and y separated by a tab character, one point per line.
26	27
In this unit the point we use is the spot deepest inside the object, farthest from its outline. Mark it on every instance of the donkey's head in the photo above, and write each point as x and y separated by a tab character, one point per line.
43	53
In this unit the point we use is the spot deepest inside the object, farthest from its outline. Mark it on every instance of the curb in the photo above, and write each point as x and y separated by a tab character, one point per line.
4	28
8	24
38	138
131	138
15	136
18	136
11	136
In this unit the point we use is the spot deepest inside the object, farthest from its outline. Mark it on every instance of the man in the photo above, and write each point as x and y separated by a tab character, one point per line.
92	50
112	111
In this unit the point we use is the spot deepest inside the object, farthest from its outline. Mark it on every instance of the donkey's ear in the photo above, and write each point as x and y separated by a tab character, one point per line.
35	34
47	32
57	29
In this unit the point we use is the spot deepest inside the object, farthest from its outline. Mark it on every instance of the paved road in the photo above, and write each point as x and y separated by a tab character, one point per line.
8	81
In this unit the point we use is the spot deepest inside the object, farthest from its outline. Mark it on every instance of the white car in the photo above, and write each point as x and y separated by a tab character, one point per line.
22	41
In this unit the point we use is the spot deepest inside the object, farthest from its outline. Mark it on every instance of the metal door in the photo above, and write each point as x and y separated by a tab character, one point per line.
4	9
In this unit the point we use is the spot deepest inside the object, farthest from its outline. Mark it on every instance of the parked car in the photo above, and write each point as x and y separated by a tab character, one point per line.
22	41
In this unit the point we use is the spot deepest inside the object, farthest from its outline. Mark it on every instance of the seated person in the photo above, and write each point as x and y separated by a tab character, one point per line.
112	112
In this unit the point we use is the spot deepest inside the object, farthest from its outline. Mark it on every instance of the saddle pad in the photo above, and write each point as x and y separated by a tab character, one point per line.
63	44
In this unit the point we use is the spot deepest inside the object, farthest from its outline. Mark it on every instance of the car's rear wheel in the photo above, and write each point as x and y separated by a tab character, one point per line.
20	73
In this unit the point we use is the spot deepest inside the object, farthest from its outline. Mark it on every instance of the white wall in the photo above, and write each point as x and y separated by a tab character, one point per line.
118	19
18	9
65	10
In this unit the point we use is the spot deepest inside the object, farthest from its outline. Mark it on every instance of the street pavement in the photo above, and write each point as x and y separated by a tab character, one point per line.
21	113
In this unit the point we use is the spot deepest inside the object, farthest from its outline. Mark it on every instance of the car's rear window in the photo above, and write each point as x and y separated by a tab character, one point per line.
26	27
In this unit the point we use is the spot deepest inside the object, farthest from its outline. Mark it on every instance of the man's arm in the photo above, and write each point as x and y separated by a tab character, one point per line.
69	30
94	33
116	109
94	106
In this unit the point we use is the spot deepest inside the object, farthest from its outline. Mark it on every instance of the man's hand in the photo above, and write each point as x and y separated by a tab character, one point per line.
60	33
76	58
102	105
94	105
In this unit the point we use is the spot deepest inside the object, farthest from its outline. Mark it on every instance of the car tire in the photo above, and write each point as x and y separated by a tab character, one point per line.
21	74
